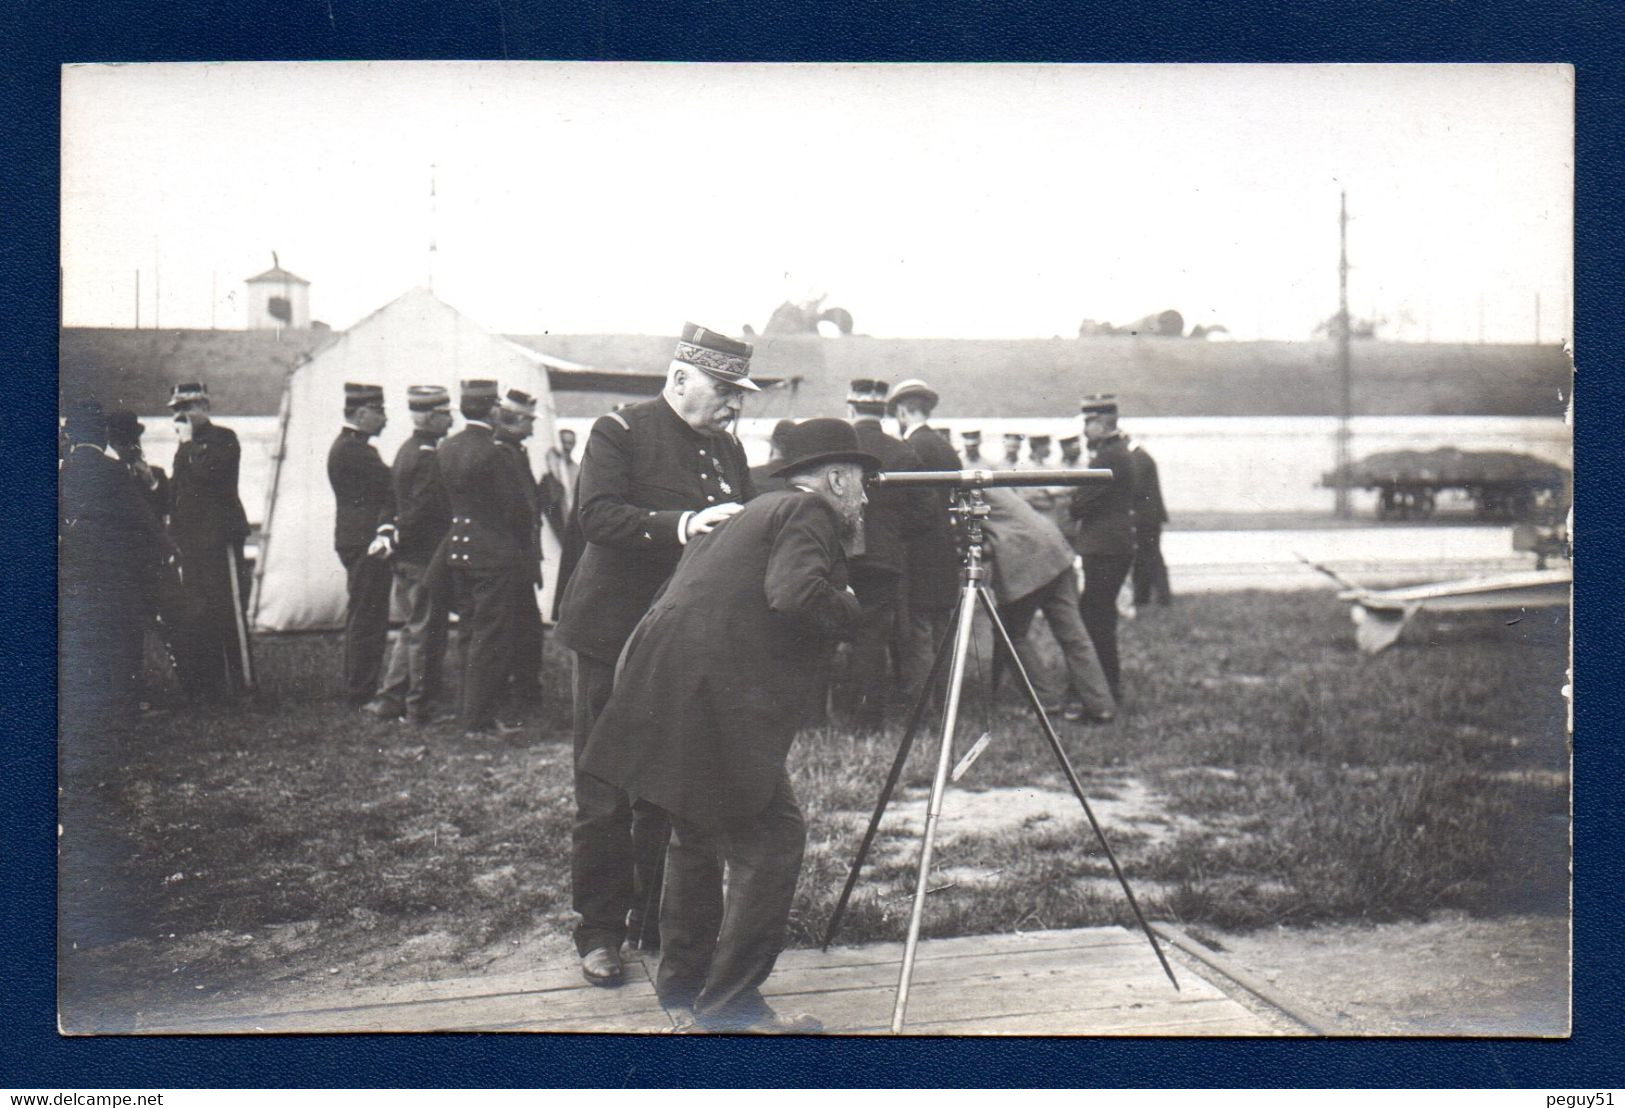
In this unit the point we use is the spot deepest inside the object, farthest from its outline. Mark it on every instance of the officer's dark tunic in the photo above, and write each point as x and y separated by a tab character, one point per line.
642	470
208	525
491	555
527	643
1150	571
1103	532
420	513
361	489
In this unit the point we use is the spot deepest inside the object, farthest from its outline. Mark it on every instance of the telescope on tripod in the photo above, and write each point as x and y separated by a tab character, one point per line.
971	508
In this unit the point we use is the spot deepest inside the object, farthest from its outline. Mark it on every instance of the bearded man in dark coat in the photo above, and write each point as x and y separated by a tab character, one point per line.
711	691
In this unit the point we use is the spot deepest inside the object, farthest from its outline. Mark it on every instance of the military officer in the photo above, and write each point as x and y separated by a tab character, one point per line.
701	722
415	518
1012	450
516	422
490	556
933	553
1103	530
361	485
208	525
892	519
1150	571
1071	452
654	475
972	442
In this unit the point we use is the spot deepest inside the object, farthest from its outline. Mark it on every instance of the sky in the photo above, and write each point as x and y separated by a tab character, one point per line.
969	201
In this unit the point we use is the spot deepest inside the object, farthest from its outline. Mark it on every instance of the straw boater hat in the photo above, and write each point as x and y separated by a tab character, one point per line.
189	392
717	356
816	442
1100	403
903	390
428	398
361	396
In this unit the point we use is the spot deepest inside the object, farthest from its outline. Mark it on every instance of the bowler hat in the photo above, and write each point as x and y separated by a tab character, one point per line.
816	442
123	426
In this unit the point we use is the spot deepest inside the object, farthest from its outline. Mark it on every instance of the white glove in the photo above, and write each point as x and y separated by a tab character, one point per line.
382	547
701	522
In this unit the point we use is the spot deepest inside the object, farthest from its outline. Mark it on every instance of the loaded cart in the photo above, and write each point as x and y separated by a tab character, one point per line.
1501	485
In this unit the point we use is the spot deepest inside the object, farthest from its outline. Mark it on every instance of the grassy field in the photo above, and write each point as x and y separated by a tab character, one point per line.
1262	772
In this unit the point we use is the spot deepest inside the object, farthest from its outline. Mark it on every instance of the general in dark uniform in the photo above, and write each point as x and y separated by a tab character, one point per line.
933	552
415	519
1103	531
208	526
653	476
892	519
361	489
701	722
491	554
1150	516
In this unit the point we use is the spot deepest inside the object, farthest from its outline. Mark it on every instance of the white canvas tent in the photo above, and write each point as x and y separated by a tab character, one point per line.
417	339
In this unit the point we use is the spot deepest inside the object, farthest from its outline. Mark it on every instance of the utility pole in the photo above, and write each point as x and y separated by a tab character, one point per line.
1345	389
138	298
1537	317
434	247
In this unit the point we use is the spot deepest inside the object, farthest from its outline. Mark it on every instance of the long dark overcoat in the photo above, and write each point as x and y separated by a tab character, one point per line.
714	679
933	554
1103	513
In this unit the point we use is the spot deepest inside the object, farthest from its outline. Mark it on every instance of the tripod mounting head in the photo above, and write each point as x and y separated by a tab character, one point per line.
990	478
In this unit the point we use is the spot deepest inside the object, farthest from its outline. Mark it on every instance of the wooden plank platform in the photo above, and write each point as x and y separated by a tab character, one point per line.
1093	981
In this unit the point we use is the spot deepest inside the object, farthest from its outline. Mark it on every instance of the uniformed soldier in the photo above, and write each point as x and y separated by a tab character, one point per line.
415	519
516	422
491	554
654	475
1150	515
361	487
1072	452
1042	499
933	553
1012	450
208	525
972	442
892	518
1103	530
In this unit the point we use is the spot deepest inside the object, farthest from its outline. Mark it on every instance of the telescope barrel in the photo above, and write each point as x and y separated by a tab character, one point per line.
991	478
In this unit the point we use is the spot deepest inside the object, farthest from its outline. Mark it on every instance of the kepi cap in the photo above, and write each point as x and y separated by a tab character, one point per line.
519	401
428	398
479	389
867	390
188	392
361	396
816	442
1100	403
717	356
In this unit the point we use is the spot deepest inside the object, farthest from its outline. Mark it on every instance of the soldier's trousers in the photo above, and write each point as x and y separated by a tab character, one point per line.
1103	577
366	622
616	845
486	614
414	677
1150	571
718	949
208	655
1058	600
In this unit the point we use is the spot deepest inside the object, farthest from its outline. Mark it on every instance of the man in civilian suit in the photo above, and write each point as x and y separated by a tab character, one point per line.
361	485
701	721
491	555
892	519
1103	530
654	475
933	553
415	519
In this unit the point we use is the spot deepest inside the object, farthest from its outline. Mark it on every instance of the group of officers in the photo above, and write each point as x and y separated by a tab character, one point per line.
702	602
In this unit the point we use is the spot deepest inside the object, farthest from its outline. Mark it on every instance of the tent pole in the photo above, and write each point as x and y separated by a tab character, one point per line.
270	499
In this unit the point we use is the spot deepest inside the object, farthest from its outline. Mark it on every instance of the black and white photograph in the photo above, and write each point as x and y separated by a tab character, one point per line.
815	549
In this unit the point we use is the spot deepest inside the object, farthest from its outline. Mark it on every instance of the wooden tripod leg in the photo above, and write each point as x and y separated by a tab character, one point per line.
896	773
1071	776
